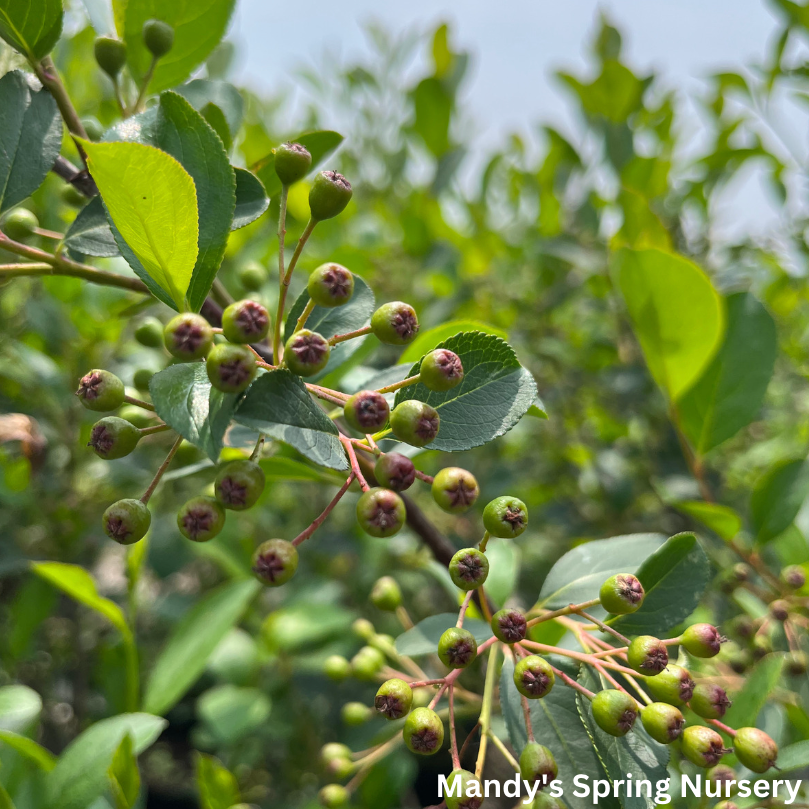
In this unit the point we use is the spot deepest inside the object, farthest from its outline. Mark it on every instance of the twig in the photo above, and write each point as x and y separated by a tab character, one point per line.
307	310
453	741
411	380
160	472
355	466
604	627
464	606
571	608
139	403
318	521
486	709
349	335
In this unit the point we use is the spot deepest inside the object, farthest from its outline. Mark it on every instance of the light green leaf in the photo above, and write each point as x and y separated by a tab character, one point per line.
504	561
537	410
31	27
759	684
20	707
34	752
124	775
428	340
5	799
777	498
90	234
677	314
423	638
231	712
722	520
218	788
793	757
251	201
281	468
100	15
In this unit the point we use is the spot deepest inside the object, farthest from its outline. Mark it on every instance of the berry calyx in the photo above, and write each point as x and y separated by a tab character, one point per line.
415	423
468	569
537	764
239	484
110	53
231	368
423	732
395	471
395	323
505	517
614	711
702	640
793	577
709	701
201	519
394	699
101	391
534	677
470	793
19	224
647	655
126	521
292	162
702	746
336	668
621	594
779	609
386	594
381	512
188	337
367	411
663	722
457	648
252	276
275	562
455	490
755	749
333	796
509	625
307	353
367	663
245	322
329	195
673	685
113	437
149	332
796	663
158	37
441	370
356	713
331	285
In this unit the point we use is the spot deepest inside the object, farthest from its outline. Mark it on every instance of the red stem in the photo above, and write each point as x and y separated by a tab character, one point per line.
355	464
305	534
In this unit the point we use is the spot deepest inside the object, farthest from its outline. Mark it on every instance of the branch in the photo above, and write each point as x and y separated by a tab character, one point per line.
80	179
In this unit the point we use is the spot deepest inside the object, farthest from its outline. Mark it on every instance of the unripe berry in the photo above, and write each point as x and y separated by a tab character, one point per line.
188	337
339	768
464	800
101	391
724	775
331	285
537	764
614	711
796	663
334	750
621	594
201	519
333	796
709	701
395	471
423	732
356	713
755	749
363	629
647	655
441	370
505	517
126	521
457	648
367	411
743	626
367	663
71	195
664	723
110	53
738	659
149	332
381	512
394	698
245	322
231	368
533	677
292	162
468	568
275	562
455	490
94	130
793	576
741	572
252	276
142	377
113	438
702	640
239	484
762	646
509	625
307	353
395	323
19	224
673	685
386	594
158	37
415	423
336	668
329	195
702	746
779	609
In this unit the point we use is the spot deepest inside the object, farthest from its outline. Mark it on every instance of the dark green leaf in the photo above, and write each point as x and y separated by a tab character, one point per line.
90	233
778	497
759	684
31	27
280	468
218	788
433	108
423	638
722	520
430	339
251	201
201	92
217	121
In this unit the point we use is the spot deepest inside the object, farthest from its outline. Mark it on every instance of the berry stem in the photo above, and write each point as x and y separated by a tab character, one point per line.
464	607
277	352
723	727
486	709
503	749
404	618
143	88
307	232
604	627
484	542
580	656
307	310
453	740
611	652
332	396
411	380
257	449
49	234
160	472
483	602
119	99
526	712
318	521
139	402
355	464
572	683
426	478
349	335
158	428
571	608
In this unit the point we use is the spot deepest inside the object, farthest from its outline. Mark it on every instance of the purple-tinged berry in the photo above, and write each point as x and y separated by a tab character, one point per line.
245	322
455	490
101	391
614	711
231	368
275	562
329	195
307	353
647	655
702	746
505	517
537	764
457	648
723	775
188	337
509	625
201	519
158	37
381	512
386	594
673	685
395	471
702	640
755	749
415	423
534	677
468	568
367	411
710	701
331	285
423	732
394	699
112	437
469	793
441	370
239	484
110	54
621	594
126	521
336	668
292	162
395	323
663	722
793	577
334	796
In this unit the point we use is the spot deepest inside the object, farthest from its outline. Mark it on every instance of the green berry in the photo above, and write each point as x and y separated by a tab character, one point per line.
188	337
505	517
201	519
149	332
469	568
381	512
470	792
329	195
423	732
537	764
363	629
367	663
394	698
702	640
614	711
762	646
19	224
673	685
356	713
755	749
621	594
455	490
793	577
796	663
292	162
252	276
457	648
386	594
367	411
647	655
331	285
334	750
737	658
534	677
110	53
71	195
94	130
339	768
158	37
336	668
101	391
306	353
663	722
113	438
509	625
126	521
395	471
702	746
275	562
441	370
415	423
142	377
395	323
333	796
709	701
231	368
245	322
239	484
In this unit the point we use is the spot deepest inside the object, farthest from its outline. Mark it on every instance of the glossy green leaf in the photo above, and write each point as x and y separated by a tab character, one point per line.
777	498
538	410
218	788
722	520
251	201
504	569
90	234
186	652
231	712
124	775
20	706
428	340
280	468
677	314
759	684
31	27
34	752
423	638
793	757
202	92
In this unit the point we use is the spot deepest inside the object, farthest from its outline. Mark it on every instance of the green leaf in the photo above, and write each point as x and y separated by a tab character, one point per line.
218	788
31	27
185	399
729	394
124	775
614	94
759	684
80	775
337	320
5	799
30	134
90	234
34	752
251	201
537	410
423	638
504	561
280	468
432	104
185	654
677	314
428	340
494	395
277	404
20	707
793	757
100	15
152	201
722	520
231	712
777	498
674	577
201	93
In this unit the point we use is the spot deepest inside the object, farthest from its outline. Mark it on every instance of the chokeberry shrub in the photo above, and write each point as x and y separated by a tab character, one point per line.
255	376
